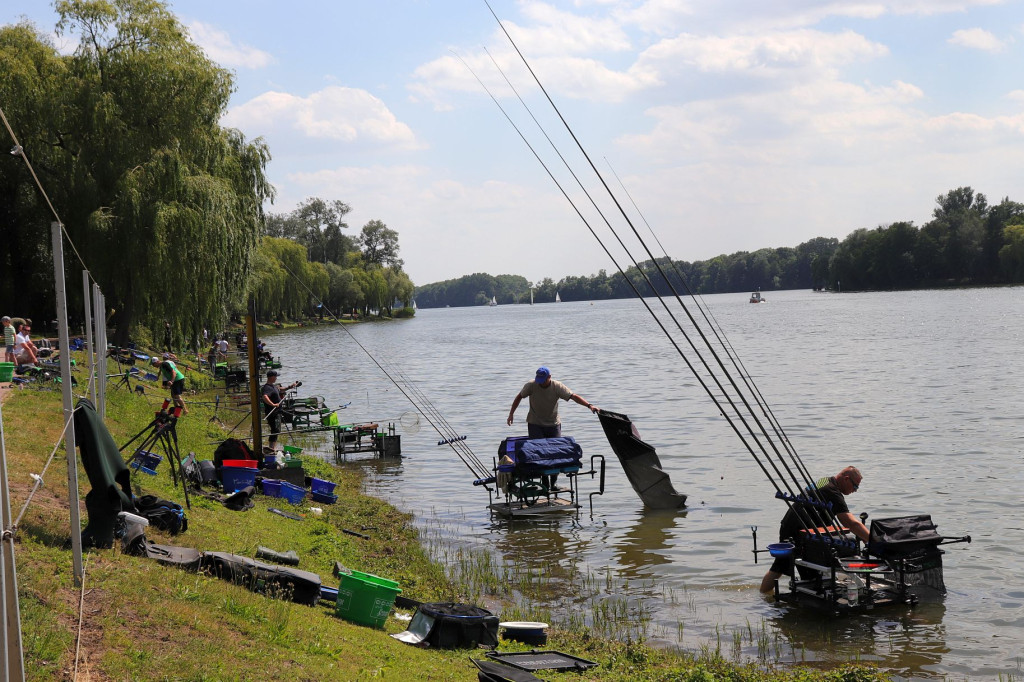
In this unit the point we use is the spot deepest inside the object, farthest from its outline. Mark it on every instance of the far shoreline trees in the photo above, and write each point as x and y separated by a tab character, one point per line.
967	242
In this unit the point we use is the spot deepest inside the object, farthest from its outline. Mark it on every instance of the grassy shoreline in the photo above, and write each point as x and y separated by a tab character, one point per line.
146	621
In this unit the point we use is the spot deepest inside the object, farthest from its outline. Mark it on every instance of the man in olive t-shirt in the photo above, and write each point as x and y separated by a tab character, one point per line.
544	393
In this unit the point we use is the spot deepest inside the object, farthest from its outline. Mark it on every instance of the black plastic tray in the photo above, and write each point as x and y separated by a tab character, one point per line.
541	660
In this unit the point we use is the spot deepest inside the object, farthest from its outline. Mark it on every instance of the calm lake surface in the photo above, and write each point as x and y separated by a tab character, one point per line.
921	390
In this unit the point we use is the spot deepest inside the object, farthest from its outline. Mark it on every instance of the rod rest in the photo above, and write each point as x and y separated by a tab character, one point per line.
803	500
827	539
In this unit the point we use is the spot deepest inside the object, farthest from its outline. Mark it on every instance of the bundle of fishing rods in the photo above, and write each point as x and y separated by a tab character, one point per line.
686	322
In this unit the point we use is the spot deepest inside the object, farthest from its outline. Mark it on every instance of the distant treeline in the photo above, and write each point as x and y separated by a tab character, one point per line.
966	242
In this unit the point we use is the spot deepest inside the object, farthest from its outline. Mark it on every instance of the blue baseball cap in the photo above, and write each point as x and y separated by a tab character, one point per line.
543	374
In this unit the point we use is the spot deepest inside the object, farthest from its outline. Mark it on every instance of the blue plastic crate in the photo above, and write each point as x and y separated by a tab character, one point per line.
271	487
146	460
326	498
319	485
292	493
236	478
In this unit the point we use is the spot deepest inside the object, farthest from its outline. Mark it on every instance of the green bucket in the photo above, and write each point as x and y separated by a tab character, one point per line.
292	449
6	371
366	599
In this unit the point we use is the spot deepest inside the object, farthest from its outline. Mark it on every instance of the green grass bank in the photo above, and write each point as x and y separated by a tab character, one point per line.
144	621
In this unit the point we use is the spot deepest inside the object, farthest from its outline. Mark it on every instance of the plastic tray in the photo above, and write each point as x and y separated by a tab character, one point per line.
292	493
241	463
319	485
326	498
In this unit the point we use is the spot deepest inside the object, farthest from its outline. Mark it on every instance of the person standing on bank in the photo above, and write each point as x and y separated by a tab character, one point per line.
271	396
173	378
544	392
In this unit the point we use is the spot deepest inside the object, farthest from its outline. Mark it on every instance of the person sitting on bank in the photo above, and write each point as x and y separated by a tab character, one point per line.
270	395
172	377
25	352
832	489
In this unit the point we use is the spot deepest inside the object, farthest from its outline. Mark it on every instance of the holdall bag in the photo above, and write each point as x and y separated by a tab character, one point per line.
162	514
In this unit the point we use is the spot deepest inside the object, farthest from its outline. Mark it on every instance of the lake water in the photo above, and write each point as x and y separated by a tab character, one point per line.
920	390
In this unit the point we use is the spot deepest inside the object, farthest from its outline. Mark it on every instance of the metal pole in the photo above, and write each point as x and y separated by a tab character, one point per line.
87	300
10	623
99	303
65	387
254	380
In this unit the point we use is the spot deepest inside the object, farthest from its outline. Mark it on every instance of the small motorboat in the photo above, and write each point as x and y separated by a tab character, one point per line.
756	297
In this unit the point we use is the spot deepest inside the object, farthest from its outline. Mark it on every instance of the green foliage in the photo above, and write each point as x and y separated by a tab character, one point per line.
379	244
164	205
966	242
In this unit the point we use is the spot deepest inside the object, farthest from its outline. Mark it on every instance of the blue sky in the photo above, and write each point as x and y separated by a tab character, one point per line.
734	124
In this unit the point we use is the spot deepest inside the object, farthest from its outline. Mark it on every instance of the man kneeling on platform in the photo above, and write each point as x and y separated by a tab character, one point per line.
834	490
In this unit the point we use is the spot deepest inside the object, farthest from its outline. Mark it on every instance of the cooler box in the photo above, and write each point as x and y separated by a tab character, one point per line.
366	599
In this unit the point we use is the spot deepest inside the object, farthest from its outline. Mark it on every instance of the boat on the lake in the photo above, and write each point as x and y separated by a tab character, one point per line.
756	297
494	301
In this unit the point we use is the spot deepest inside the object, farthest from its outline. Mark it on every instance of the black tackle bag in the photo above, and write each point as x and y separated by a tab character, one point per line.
458	626
162	514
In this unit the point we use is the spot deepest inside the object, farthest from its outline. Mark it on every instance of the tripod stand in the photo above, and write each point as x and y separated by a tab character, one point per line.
162	431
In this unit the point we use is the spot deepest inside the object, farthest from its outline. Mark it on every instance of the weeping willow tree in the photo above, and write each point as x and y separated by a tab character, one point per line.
281	277
163	203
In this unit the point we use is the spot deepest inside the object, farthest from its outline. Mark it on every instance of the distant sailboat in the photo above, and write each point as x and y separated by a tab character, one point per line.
414	305
558	299
494	301
531	295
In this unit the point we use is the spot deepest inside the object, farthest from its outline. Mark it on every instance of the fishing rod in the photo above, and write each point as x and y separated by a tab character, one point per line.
438	423
723	339
741	416
628	253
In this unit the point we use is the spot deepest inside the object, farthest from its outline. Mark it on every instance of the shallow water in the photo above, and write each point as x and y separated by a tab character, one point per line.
921	390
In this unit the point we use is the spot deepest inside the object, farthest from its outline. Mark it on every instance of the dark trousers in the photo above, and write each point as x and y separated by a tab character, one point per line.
274	422
538	431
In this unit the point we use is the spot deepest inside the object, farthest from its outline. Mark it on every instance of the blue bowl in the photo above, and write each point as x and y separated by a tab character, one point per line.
781	549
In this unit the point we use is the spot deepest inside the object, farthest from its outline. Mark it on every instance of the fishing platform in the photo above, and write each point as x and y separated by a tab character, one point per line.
526	472
901	564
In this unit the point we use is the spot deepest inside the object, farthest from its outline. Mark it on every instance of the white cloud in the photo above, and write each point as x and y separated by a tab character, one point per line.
575	77
449	227
977	39
219	46
763	55
556	32
339	114
1016	95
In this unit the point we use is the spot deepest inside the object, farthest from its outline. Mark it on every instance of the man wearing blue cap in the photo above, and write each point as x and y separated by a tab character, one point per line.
544	392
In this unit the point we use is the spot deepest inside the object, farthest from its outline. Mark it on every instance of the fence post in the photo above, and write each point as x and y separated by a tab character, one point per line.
87	301
65	379
10	622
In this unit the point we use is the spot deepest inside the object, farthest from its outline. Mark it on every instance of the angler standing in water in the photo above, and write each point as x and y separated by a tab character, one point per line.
544	392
